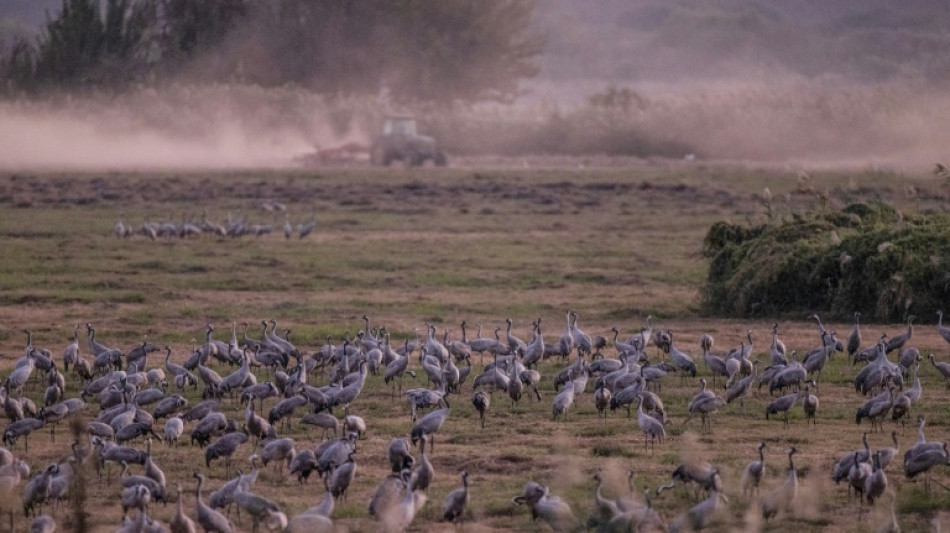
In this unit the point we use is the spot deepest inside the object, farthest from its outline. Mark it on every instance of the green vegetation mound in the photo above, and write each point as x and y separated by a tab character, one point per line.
867	257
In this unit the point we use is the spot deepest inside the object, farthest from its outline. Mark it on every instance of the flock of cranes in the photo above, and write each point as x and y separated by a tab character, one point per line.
141	402
234	226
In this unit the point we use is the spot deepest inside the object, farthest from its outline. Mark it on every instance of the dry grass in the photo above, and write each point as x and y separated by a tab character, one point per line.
615	245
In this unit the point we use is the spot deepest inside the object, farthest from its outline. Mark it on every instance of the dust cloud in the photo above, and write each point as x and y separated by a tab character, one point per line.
182	128
799	84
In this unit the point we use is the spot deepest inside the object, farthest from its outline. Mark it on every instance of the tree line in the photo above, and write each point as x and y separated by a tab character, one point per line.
411	50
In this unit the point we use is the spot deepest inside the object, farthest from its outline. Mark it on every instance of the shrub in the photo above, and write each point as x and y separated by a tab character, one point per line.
867	257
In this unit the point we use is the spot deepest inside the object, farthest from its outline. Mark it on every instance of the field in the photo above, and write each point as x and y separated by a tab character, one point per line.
446	245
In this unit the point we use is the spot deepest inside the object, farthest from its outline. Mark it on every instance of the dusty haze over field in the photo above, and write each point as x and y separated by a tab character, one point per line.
799	82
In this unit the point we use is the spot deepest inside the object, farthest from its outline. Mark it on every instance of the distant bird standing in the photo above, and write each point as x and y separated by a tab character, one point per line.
554	511
210	520
898	341
783	404
455	502
180	522
810	404
854	339
650	426
784	496
429	425
482	401
753	473
306	228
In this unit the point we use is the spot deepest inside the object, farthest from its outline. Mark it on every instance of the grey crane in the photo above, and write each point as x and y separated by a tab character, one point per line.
354	424
888	453
255	425
11	475
898	341
681	360
95	347
704	405
332	454
876	409
51	415
625	397
424	472
342	476
137	496
425	399
716	364
20	375
260	508
582	340
605	509
701	515
285	408
563	401
279	451
942	367
900	408
208	518
486	344
11	407
534	351
43	524
842	467
515	345
21	428
602	397
481	401
924	460
71	352
740	388
810	405
225	447
942	330
854	339
324	421
793	374
816	360
400	513
653	405
223	498
876	483
177	370
387	492
858	475
753	472
395	370
168	405
777	350
453	508
784	495
37	490
565	343
554	511
173	429
303	464
783	404
650	426
704	475
315	519
399	454
429	425
180	522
